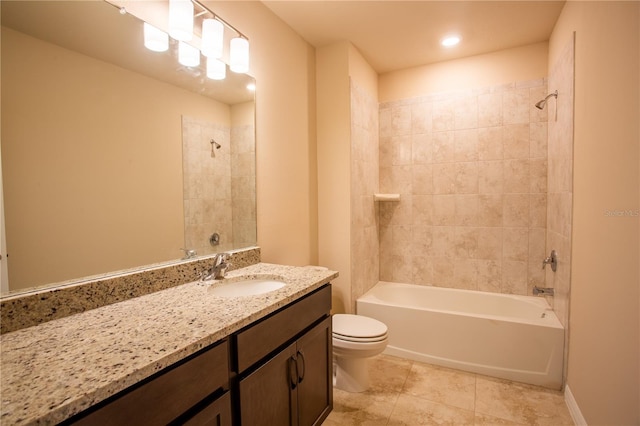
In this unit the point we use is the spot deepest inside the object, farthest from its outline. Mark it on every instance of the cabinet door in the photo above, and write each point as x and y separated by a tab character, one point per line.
266	396
315	387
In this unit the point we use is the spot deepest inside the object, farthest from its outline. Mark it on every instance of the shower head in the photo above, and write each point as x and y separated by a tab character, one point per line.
214	143
543	103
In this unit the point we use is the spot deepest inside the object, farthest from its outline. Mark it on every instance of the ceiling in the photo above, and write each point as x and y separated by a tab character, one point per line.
395	34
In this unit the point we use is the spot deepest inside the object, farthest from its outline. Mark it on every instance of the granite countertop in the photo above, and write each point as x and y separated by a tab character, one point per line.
52	371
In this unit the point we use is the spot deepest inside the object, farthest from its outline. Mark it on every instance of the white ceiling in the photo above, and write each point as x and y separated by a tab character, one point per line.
395	34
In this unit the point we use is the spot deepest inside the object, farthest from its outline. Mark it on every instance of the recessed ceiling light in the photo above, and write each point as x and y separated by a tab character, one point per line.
450	41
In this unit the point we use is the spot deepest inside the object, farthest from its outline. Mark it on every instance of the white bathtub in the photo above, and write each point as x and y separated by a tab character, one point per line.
512	337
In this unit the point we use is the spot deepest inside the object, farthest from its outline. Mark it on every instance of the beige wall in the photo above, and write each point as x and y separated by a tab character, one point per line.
604	355
347	170
517	64
284	67
334	168
78	209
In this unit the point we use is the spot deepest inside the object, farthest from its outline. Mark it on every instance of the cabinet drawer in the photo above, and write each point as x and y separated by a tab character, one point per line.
259	340
217	413
163	398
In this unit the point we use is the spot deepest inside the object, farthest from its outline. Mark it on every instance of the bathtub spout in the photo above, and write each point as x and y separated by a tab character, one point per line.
542	291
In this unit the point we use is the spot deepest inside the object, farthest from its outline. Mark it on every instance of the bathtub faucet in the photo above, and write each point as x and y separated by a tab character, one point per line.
551	260
542	291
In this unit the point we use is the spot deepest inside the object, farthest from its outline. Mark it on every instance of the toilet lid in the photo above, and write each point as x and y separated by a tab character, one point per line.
358	327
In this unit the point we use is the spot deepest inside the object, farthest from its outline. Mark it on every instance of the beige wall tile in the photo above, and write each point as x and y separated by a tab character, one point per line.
422	214
491	177
490	110
421	118
515	210
422	179
466	210
466	178
444	209
515	106
489	245
443	146
443	117
490	210
489	275
401	120
466	145
516	176
421	148
515	244
514	277
538	140
444	178
490	143
466	113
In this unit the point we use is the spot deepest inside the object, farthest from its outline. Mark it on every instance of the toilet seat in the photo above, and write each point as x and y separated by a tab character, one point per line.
358	329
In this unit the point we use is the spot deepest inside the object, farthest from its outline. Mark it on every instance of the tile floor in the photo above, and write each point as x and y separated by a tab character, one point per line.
405	392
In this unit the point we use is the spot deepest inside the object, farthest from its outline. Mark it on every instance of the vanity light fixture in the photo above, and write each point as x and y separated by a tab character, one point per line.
155	39
450	41
181	19
188	55
216	69
239	55
212	38
182	15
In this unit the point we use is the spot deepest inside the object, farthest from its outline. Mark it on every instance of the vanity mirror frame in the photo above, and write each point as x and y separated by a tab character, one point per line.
156	186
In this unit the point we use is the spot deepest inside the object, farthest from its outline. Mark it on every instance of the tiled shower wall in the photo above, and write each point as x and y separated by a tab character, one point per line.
243	185
364	183
471	170
219	185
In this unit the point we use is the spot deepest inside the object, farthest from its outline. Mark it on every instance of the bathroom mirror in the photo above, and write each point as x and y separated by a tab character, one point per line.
107	157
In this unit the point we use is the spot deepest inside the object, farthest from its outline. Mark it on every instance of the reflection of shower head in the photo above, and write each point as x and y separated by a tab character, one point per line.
543	103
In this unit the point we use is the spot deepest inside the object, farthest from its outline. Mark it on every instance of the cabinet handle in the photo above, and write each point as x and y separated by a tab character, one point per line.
301	376
293	372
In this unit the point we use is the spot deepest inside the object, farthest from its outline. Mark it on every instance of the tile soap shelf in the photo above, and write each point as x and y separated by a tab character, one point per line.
386	197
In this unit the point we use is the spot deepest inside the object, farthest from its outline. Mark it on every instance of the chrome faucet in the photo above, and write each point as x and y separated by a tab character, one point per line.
189	253
542	291
218	269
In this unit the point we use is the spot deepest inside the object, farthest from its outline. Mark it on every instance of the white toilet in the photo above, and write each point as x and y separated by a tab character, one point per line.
355	339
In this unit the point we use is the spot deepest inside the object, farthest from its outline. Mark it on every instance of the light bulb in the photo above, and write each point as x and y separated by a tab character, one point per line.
155	39
212	38
216	69
239	55
181	19
188	55
450	41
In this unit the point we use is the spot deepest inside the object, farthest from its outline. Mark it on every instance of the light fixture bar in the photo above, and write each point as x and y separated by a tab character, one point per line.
228	25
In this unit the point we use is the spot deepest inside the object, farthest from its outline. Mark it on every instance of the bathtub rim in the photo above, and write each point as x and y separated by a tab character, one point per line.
550	319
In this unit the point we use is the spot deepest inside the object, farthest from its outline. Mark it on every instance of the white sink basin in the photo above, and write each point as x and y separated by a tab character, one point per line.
248	287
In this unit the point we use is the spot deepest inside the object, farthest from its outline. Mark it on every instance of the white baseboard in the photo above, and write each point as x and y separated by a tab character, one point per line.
574	410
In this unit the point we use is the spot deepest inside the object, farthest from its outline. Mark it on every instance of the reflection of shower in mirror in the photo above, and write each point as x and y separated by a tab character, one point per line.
215	145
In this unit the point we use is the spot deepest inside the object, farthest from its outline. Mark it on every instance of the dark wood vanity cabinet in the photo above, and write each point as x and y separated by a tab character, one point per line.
284	365
276	371
174	395
293	387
